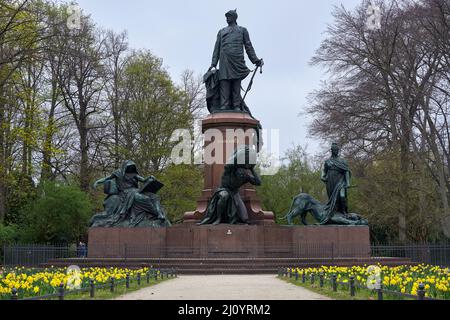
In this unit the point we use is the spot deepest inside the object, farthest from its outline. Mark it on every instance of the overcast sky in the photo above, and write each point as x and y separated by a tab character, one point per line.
285	33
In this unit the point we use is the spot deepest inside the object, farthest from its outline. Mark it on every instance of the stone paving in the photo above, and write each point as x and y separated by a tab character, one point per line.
224	287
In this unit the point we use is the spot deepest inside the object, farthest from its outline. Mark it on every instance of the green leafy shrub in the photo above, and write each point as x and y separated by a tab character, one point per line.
8	234
59	214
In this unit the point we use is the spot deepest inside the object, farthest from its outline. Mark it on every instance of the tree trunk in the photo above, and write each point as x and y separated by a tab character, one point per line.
84	161
2	160
442	184
46	168
116	130
404	180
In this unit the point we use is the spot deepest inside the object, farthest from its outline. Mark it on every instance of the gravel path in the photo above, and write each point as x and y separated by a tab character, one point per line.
259	287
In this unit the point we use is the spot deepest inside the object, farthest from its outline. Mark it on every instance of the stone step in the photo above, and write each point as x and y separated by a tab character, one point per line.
209	265
226	260
222	266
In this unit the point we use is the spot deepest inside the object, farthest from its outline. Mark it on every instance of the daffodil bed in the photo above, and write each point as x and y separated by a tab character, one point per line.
41	282
401	279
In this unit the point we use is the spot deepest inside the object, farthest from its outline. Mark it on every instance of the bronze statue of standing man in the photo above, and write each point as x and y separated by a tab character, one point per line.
337	177
229	51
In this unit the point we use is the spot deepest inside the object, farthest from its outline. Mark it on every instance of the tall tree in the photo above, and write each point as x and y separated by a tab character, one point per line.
153	108
195	92
382	83
117	46
194	89
298	174
22	31
82	84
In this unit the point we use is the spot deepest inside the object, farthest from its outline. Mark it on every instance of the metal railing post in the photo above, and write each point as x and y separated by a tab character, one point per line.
92	286
61	291
14	294
111	288
421	292
332	251
4	255
352	286
380	293
127	281
334	282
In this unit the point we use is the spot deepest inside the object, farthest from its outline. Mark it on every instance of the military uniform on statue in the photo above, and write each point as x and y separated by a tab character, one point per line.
229	51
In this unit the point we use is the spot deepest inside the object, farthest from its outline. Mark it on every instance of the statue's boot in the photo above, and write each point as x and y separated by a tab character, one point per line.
234	221
345	206
203	222
161	217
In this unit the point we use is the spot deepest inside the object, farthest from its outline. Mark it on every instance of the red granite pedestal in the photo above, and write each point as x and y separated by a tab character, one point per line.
226	249
223	123
231	241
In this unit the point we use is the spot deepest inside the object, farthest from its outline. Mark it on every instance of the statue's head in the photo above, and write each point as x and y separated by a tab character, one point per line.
129	167
231	16
335	149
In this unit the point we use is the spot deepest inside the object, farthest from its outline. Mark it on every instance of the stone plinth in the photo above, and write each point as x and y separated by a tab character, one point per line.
221	122
231	241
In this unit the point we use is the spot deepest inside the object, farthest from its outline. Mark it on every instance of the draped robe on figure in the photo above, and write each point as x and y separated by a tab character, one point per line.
336	170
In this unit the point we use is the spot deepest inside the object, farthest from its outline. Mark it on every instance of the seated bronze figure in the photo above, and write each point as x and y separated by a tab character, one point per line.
226	205
128	206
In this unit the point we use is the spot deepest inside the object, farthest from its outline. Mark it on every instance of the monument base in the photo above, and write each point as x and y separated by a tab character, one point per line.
231	241
223	123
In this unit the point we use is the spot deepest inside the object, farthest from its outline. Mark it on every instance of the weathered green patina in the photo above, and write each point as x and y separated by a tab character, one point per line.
337	177
304	204
226	205
128	206
224	85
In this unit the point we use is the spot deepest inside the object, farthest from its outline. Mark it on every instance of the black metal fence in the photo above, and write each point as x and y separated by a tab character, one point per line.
113	283
349	286
434	254
36	255
33	255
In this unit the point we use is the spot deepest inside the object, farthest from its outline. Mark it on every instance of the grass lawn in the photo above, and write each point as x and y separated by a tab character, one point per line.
343	293
106	294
